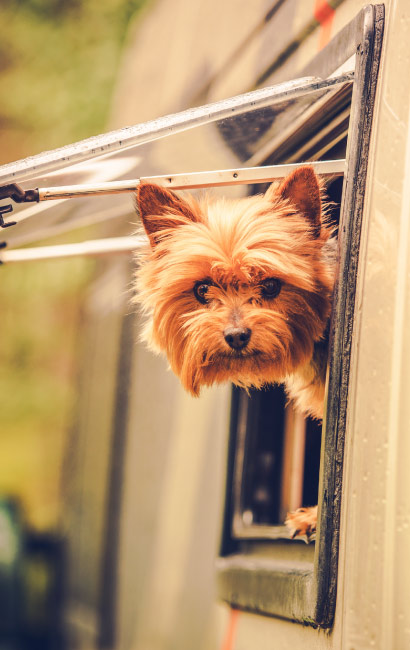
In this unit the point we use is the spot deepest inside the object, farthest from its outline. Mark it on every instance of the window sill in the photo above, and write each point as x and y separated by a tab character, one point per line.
273	587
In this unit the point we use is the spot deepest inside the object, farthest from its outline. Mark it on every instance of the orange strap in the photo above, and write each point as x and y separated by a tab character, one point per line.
324	15
231	631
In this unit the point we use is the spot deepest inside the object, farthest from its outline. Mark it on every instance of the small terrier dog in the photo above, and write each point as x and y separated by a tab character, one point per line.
240	291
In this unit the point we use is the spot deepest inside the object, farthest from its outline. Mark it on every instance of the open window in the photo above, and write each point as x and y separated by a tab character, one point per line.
277	460
277	449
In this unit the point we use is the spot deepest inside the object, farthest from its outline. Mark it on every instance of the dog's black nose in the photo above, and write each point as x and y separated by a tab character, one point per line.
237	337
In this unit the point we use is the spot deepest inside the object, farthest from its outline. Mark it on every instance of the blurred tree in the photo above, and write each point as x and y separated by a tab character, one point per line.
58	62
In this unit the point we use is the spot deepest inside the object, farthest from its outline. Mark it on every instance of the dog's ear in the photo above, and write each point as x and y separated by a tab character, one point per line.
302	189
161	210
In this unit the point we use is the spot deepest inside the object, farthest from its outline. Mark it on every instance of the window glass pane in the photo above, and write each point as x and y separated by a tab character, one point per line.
233	141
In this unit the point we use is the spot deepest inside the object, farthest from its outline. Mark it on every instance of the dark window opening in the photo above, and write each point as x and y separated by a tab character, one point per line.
281	456
263	457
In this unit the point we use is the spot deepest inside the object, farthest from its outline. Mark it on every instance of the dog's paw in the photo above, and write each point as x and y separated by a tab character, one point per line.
302	522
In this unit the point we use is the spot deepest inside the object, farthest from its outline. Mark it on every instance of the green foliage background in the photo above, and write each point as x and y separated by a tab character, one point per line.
58	60
58	64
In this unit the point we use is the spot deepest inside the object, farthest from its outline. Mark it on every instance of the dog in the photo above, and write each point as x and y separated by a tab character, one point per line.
241	291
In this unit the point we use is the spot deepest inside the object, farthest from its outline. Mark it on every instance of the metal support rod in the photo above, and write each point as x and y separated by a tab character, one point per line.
194	180
109	246
91	248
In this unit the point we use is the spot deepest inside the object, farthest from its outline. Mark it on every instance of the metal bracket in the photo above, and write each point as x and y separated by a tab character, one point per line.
5	209
15	192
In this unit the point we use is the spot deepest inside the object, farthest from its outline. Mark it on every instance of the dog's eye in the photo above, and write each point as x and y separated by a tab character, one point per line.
201	289
270	288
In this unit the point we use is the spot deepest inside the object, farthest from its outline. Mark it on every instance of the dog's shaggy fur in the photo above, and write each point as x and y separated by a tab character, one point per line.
240	290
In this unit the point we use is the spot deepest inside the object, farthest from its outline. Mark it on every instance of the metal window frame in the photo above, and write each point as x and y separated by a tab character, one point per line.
139	134
303	586
105	147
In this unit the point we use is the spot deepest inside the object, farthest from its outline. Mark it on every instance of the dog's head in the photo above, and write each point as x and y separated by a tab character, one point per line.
235	290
